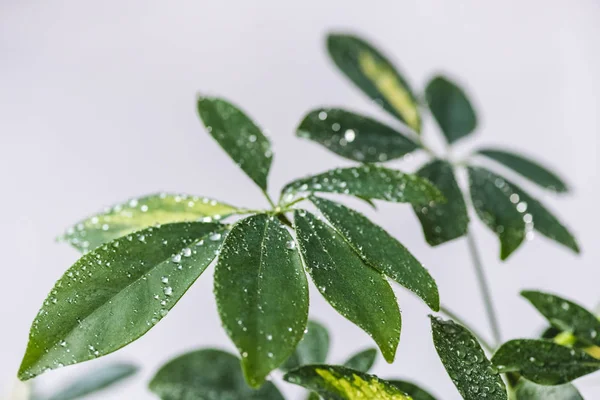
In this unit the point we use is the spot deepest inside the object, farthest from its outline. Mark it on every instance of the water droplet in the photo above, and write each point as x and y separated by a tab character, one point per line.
168	291
215	236
290	245
349	135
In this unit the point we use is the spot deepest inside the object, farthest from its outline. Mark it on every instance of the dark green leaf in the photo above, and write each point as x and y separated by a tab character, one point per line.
313	396
140	213
526	390
355	290
466	363
354	136
380	250
95	381
362	361
443	222
312	349
376	76
207	375
367	181
114	294
340	383
528	168
414	391
451	108
566	315
544	362
238	136
265	321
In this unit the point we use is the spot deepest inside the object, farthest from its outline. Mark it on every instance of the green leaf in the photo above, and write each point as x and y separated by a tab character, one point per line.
512	213
262	294
544	362
451	108
376	76
95	381
362	361
140	213
340	383
443	222
312	349
380	250
526	390
313	396
114	294
566	315
414	391
527	168
207	374
367	181
465	361
354	136
355	290
238	136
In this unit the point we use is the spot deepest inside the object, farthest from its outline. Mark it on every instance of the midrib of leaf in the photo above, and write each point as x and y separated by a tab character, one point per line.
259	280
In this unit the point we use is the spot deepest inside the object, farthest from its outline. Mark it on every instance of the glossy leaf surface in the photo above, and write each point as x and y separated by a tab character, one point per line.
245	143
207	374
262	294
362	361
466	362
355	290
380	250
114	294
527	390
544	362
354	136
414	391
140	213
312	349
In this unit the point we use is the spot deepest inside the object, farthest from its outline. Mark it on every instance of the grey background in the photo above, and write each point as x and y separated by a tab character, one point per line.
97	105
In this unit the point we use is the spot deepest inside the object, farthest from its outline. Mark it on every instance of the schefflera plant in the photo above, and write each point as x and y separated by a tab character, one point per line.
141	256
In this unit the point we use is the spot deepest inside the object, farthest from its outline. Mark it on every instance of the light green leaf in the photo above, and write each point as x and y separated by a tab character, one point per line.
340	383
140	213
362	361
312	349
238	136
414	391
544	362
380	250
526	390
262	294
451	108
95	381
355	290
375	76
354	136
566	316
443	222
114	294
367	181
527	168
466	363
207	374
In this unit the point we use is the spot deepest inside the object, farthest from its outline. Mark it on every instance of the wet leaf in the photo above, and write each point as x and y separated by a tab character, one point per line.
375	76
116	293
207	374
140	213
544	362
380	250
354	136
527	168
451	108
465	362
566	315
258	259
312	349
526	390
414	391
238	136
367	181
362	361
443	222
340	383
355	290
95	381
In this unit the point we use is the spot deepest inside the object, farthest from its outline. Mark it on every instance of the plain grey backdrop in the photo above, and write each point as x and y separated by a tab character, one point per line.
97	104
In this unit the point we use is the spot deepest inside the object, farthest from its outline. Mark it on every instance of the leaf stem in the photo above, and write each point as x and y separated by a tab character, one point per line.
271	203
486	345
